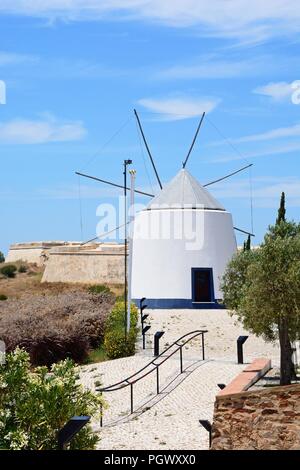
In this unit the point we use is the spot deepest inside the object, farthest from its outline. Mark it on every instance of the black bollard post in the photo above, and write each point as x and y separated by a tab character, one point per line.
142	306
208	427
157	337
144	331
221	386
70	429
240	341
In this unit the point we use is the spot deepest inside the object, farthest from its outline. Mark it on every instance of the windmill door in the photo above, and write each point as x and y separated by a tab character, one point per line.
202	285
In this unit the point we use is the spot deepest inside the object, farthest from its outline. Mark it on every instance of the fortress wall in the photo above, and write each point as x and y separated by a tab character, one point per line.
33	255
33	252
100	266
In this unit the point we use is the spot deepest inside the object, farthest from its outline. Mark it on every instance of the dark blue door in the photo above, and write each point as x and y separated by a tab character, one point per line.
202	285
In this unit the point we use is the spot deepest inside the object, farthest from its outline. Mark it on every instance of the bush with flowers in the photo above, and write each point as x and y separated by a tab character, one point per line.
36	403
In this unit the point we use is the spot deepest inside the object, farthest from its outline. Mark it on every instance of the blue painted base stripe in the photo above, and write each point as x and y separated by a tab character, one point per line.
178	303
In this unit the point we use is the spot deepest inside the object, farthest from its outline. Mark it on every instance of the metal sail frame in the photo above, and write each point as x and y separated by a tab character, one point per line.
227	176
152	195
112	184
156	173
244	231
147	148
193	142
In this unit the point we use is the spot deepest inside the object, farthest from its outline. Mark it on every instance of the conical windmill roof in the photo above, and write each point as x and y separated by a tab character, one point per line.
184	191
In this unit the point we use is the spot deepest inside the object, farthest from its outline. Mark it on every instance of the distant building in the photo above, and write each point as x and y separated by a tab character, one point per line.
72	262
32	252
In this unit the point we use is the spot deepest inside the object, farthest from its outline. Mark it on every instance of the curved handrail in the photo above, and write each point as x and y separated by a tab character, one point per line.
127	382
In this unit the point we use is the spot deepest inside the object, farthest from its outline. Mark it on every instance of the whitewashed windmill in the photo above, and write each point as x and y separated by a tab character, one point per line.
182	242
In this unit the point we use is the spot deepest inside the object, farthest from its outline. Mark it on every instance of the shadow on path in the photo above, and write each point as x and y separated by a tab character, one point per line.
164	392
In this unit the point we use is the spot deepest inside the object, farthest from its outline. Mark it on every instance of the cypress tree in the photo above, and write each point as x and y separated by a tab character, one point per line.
281	218
248	244
281	210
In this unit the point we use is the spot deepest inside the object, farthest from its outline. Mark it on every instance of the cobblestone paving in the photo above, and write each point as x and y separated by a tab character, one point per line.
171	419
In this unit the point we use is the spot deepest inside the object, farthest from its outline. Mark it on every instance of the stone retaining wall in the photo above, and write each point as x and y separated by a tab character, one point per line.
104	265
31	252
71	262
258	419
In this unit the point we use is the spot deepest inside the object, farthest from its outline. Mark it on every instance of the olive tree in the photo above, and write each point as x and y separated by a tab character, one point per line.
263	287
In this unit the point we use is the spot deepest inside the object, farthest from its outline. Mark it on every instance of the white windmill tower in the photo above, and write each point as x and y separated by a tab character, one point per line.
182	241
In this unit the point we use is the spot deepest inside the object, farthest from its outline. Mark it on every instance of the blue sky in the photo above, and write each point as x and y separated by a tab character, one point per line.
74	70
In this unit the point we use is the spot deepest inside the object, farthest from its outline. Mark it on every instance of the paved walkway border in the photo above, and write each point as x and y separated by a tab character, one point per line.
251	374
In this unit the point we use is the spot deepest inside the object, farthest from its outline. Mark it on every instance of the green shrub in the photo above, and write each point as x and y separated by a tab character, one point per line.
116	318
2	259
9	270
120	298
97	354
115	344
35	404
99	289
22	268
3	297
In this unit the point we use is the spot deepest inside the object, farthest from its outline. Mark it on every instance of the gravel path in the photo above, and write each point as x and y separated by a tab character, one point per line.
171	419
223	331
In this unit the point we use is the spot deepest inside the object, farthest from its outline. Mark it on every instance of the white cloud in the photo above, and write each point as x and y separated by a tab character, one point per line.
53	68
266	190
9	58
47	129
278	91
235	18
202	67
64	68
272	150
279	133
213	67
172	109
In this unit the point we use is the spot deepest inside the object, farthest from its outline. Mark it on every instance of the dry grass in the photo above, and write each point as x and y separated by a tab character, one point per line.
30	283
52	320
55	326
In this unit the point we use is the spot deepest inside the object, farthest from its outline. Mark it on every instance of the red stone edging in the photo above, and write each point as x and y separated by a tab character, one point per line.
251	374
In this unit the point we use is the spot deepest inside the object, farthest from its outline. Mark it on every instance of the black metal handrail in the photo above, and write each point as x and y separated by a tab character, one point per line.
136	377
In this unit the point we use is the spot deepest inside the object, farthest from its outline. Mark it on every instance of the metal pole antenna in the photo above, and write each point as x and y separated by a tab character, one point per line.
131	222
126	162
